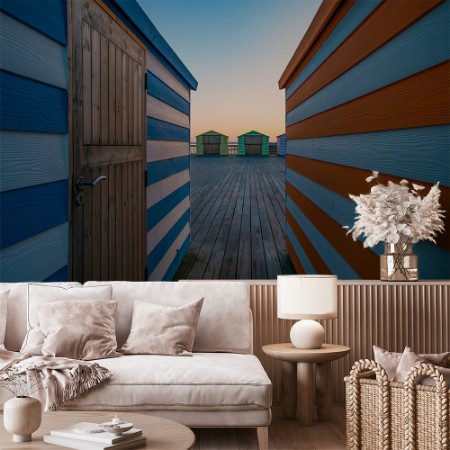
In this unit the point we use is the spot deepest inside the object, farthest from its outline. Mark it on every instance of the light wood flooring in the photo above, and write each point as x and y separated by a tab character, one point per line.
283	435
237	219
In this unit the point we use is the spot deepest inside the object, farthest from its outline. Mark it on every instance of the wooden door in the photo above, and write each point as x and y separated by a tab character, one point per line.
253	145
108	232
211	145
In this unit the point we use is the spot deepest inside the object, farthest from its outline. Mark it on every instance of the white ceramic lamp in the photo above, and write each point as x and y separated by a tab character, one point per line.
307	297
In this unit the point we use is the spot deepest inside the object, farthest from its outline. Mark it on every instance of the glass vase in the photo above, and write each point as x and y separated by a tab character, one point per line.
399	263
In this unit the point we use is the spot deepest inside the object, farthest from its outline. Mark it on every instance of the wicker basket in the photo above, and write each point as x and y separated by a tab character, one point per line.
395	416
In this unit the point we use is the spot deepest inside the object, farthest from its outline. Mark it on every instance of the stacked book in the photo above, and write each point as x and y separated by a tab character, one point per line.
72	437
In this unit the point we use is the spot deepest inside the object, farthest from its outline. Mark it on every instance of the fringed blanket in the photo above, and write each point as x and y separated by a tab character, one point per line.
52	380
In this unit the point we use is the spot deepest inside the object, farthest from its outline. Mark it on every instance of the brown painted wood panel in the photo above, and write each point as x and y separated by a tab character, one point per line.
363	261
416	101
369	37
333	22
108	232
326	10
318	263
344	180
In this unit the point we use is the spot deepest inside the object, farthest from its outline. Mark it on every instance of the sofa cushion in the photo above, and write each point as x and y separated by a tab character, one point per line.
3	309
225	321
44	293
16	324
205	381
162	330
79	329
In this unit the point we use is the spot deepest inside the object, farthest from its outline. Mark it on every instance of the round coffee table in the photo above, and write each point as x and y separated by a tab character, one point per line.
161	434
298	379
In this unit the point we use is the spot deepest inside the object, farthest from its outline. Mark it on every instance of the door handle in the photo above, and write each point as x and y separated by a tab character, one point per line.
81	182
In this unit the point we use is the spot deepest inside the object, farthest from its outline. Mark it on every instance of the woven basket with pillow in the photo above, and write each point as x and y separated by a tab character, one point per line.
403	407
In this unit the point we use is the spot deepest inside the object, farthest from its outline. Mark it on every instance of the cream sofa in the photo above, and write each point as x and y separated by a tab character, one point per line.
222	385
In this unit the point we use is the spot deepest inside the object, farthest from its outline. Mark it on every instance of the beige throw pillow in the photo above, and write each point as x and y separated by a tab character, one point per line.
3	310
391	360
43	293
162	330
79	329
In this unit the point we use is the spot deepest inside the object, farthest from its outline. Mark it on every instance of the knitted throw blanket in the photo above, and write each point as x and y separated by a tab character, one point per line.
56	379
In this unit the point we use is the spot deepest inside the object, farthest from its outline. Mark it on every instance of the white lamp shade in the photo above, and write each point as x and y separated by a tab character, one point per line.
307	296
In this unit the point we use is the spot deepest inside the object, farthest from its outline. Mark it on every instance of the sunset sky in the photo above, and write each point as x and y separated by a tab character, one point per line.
237	50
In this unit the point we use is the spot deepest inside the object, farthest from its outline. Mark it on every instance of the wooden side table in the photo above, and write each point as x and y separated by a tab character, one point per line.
298	379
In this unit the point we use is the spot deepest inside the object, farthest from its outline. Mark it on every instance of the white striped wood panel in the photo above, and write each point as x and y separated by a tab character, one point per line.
163	266
28	159
161	189
390	315
160	150
155	234
154	66
36	258
162	111
29	53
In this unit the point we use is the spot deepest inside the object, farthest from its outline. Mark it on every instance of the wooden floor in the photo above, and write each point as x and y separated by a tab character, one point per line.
283	435
237	219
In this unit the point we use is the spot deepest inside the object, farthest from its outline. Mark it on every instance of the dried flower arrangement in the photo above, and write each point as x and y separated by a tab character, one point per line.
396	214
21	384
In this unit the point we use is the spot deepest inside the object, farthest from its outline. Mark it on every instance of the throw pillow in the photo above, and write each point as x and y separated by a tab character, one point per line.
3	310
162	330
408	360
43	293
390	360
79	329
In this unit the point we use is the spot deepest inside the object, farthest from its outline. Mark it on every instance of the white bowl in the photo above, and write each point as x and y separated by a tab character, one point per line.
116	428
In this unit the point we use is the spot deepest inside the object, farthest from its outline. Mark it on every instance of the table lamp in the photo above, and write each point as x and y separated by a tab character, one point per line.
307	297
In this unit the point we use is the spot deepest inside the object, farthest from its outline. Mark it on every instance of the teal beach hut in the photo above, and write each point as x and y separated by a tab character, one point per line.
211	143
281	145
253	143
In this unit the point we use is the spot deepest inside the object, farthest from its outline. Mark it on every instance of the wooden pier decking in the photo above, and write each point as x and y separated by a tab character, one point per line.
237	219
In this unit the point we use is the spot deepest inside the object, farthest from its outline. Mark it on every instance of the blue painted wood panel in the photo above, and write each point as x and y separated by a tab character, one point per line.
157	88
29	211
159	170
36	258
160	210
427	150
161	249
28	105
27	159
165	131
334	260
172	270
357	13
27	52
302	256
48	17
423	45
59	275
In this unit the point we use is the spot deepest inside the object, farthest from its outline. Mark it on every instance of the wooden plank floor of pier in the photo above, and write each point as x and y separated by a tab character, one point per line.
237	219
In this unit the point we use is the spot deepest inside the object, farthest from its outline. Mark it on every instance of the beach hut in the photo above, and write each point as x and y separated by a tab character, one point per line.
281	145
211	143
95	114
253	143
356	105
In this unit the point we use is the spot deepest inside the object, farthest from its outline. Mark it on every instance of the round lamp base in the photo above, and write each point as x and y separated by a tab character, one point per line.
307	334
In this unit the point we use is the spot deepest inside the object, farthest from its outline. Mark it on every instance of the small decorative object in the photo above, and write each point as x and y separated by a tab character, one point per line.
116	426
22	414
307	297
398	216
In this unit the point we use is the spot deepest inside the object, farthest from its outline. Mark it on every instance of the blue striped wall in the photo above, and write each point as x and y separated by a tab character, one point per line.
34	141
328	155
281	145
168	182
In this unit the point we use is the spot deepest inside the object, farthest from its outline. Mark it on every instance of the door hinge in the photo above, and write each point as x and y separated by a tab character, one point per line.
146	81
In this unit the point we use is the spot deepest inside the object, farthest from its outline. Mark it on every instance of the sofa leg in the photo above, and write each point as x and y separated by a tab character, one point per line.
263	437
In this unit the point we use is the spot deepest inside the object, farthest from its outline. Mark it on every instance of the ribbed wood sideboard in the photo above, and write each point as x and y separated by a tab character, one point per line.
390	315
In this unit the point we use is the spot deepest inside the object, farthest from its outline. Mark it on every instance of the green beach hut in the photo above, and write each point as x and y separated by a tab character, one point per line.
253	143
211	143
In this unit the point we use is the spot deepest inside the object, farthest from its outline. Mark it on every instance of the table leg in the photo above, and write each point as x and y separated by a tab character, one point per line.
289	383
305	393
323	390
